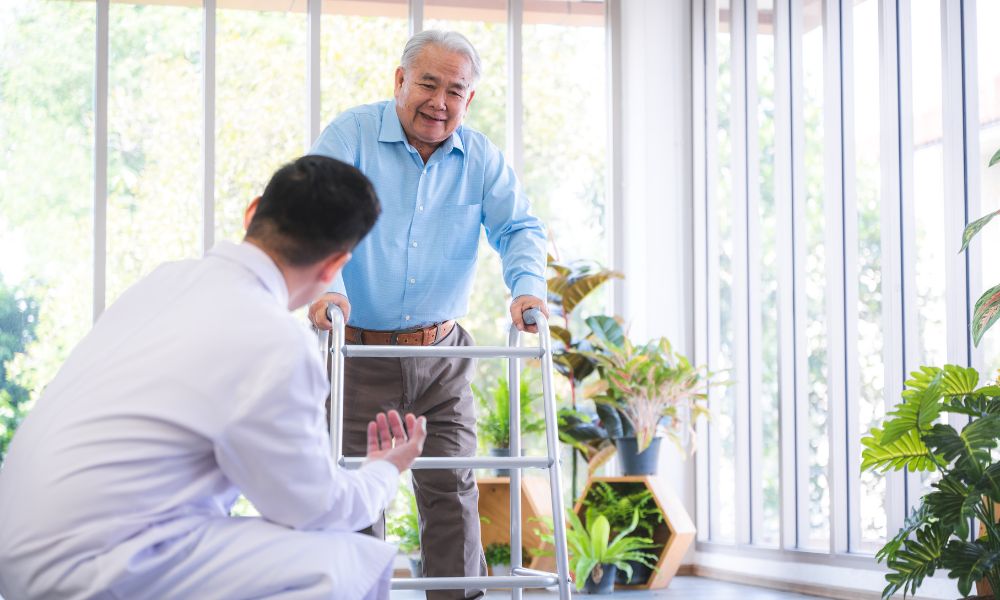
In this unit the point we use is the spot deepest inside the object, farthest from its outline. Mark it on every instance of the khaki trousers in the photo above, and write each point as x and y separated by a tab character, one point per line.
447	499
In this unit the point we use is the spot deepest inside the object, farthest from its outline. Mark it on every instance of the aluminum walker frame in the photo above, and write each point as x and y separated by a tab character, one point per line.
520	576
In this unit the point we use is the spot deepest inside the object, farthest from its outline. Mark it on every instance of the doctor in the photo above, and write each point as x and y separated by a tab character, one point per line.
196	385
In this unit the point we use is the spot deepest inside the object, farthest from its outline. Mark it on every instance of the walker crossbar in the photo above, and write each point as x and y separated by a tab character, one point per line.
461	462
459	583
520	577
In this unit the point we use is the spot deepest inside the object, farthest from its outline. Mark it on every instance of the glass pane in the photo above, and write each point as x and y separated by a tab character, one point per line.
930	204
154	140
486	28
46	139
928	182
988	14
723	468
260	106
769	349
870	341
565	139
815	533
360	53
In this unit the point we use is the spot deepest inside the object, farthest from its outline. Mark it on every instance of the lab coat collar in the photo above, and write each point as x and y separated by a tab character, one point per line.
257	262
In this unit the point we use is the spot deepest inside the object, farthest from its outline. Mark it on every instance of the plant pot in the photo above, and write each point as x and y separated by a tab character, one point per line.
416	566
640	574
606	583
500	452
634	462
500	570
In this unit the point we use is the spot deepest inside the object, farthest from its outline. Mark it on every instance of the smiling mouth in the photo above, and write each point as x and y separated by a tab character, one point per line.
430	118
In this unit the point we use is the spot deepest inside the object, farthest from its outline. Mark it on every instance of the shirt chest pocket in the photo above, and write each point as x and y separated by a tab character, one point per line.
460	230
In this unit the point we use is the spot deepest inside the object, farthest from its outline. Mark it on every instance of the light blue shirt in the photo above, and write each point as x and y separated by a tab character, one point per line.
416	266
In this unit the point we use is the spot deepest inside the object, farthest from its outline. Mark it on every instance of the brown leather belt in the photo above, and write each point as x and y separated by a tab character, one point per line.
422	336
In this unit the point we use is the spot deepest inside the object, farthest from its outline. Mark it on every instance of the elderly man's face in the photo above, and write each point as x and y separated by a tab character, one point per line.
432	96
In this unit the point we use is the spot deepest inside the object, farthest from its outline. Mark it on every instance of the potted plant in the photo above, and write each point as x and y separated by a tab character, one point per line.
595	557
654	389
403	527
494	416
618	504
937	535
498	558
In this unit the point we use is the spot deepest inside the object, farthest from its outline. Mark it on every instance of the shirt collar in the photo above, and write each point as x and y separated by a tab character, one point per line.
391	130
258	263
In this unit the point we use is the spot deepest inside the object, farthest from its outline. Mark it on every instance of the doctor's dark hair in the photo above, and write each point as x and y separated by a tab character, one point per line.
312	207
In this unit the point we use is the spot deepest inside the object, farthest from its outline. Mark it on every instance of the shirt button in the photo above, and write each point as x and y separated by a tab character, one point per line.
407	317
421	208
414	244
413	280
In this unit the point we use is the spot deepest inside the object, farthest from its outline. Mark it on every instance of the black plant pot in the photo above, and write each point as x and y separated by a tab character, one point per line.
640	574
607	583
634	462
500	452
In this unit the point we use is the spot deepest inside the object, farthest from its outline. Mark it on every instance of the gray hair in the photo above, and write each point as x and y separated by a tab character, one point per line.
449	40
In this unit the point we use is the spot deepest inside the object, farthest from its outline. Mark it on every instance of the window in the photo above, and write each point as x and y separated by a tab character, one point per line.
834	210
163	175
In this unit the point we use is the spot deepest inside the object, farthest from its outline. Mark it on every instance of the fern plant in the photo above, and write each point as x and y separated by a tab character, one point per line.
618	503
494	415
937	535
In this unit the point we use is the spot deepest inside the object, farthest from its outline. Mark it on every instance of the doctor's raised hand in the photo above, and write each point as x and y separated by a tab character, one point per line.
388	439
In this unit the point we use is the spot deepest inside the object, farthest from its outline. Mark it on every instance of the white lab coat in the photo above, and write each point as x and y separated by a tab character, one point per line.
195	385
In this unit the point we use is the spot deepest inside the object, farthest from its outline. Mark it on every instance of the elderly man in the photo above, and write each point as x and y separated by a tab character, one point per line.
410	279
195	385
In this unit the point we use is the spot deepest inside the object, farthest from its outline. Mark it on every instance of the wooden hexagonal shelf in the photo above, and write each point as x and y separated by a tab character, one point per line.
494	511
675	533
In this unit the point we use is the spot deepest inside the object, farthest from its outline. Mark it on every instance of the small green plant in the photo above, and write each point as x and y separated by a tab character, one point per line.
618	504
497	554
403	525
648	384
494	415
937	535
591	547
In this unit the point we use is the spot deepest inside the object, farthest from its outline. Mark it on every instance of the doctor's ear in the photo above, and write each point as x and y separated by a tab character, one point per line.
250	212
332	265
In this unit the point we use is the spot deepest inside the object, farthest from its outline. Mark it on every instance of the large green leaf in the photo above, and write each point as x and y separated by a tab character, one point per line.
906	452
916	412
968	562
974	227
572	289
607	330
989	485
955	380
970	449
986	313
916	559
919	517
952	503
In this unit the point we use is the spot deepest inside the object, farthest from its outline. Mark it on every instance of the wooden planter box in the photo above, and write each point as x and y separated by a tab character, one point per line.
675	533
494	510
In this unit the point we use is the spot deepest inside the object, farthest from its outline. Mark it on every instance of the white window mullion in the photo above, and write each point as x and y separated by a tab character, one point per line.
313	71
716	395
738	119
699	78
416	16
785	253
798	206
973	177
208	126
836	248
955	183
753	253
515	102
100	239
897	231
848	448
616	167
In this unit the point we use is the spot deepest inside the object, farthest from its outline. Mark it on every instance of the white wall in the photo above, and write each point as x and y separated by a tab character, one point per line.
654	247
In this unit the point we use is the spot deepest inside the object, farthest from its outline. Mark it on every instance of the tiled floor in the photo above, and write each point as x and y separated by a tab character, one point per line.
680	588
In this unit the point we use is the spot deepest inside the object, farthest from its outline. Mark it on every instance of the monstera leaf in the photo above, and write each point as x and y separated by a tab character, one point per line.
917	412
916	559
968	562
970	449
906	452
